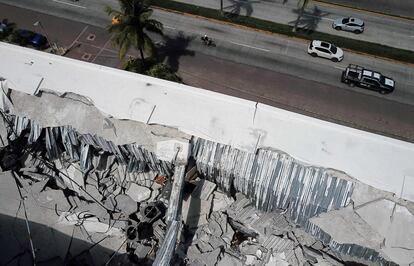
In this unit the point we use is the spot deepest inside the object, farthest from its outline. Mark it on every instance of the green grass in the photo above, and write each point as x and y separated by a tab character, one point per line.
352	44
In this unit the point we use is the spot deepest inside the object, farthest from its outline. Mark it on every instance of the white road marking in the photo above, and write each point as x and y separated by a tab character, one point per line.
253	47
77	38
341	68
69	4
168	27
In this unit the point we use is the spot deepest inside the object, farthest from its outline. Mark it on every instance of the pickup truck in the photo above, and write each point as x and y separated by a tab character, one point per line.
365	78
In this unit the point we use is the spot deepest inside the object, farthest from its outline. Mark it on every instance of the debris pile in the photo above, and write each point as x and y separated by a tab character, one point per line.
237	233
99	188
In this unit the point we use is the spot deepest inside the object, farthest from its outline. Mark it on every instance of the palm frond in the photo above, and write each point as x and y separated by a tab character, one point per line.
154	26
134	17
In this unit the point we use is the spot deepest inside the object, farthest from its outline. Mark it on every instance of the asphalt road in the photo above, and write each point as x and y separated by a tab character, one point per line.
318	16
272	52
393	7
245	64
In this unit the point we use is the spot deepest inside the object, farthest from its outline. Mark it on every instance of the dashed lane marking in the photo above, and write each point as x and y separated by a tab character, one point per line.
253	47
313	16
69	4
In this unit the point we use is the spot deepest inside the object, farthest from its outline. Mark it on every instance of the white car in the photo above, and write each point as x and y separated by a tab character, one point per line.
325	50
355	25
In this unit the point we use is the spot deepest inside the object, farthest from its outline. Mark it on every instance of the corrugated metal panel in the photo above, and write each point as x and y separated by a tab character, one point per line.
79	147
272	179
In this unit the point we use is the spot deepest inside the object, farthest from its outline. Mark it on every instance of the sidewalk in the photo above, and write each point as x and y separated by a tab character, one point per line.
400	8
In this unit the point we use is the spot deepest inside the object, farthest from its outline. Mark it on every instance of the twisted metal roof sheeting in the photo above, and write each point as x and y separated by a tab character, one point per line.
78	146
273	180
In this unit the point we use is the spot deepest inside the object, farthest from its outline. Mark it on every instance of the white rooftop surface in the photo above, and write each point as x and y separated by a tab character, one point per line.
373	159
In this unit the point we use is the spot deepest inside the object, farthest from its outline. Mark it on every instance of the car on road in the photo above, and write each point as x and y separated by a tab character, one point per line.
325	50
365	78
354	25
27	37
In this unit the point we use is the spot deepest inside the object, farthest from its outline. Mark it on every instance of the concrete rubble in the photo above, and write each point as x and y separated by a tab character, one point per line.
82	188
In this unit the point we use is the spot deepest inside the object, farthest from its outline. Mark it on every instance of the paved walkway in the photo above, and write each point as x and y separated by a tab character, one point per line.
404	8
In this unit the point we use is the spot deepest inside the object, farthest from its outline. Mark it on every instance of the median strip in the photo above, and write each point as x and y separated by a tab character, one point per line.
265	25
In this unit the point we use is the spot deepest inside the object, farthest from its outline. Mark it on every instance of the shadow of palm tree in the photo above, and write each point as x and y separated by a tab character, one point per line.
237	6
309	20
173	48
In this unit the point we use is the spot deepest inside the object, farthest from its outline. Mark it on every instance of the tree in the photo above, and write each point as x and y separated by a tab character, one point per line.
129	27
301	5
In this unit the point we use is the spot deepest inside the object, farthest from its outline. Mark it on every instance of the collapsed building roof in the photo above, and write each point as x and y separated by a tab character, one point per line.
242	124
78	168
115	192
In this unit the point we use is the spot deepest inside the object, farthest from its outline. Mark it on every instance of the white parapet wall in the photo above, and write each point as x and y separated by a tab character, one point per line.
379	161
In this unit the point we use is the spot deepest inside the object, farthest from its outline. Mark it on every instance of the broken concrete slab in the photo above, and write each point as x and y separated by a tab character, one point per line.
277	259
345	226
54	197
364	194
399	238
195	211
4	140
125	204
204	246
348	235
89	222
221	201
203	189
251	260
138	193
229	260
73	177
377	214
51	110
173	150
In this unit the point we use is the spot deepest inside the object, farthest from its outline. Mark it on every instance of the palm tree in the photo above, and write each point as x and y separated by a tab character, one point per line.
129	27
302	5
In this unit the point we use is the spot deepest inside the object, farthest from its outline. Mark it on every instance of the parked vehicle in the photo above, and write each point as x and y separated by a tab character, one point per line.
365	78
325	50
5	28
27	37
355	25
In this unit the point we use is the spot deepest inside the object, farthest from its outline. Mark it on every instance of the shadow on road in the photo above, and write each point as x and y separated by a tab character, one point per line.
236	7
308	20
173	48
